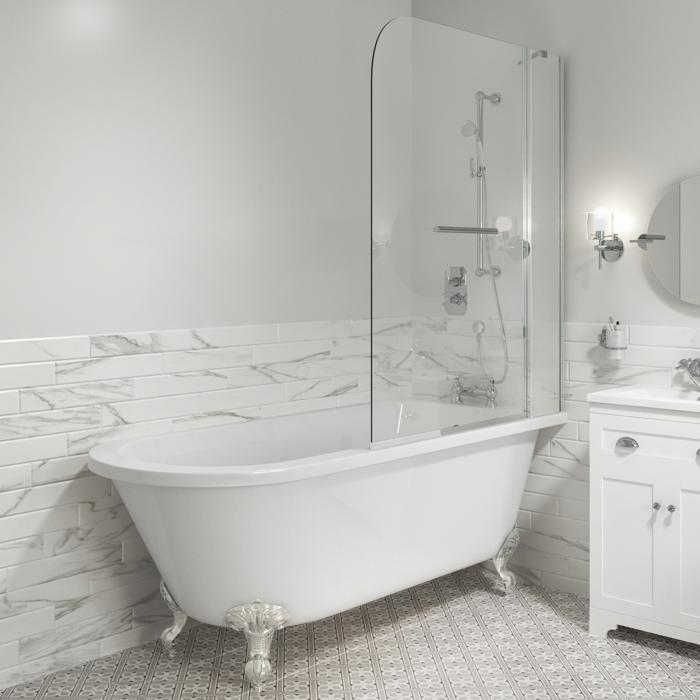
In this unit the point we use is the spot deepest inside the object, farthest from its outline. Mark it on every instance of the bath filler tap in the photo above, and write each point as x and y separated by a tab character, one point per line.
460	391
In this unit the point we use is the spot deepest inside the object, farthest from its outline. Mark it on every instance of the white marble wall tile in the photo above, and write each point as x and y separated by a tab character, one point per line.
9	402
361	327
257	375
43	349
51	495
556	486
240	398
19	376
321	388
108	508
21	550
17	526
131	638
16	476
70	612
30	449
313	330
197	360
564	468
290	352
51	591
576	410
229	336
64	658
83	441
285	409
582	332
49	422
114	414
668	336
354	398
134	550
561	527
109	531
214	418
100	368
152	609
184	383
61	566
9	654
26	624
121	574
71	395
74	635
61	469
618	374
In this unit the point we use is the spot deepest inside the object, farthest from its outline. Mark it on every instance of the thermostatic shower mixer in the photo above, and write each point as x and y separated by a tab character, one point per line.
455	302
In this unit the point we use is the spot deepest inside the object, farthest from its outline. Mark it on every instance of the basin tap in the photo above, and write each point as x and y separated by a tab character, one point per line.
692	369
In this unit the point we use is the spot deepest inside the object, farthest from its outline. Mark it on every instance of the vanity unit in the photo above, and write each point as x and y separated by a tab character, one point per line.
645	511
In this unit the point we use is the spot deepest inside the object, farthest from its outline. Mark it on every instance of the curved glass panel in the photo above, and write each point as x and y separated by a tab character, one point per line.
453	195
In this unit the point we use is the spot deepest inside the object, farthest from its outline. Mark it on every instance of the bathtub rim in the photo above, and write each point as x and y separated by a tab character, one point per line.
107	459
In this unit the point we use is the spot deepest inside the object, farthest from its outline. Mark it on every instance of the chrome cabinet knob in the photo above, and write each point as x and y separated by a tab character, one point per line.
671	509
656	505
627	443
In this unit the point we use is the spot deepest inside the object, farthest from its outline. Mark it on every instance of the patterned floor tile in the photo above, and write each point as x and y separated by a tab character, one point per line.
453	638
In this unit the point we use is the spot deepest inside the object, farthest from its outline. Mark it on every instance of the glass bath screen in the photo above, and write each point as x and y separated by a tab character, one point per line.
451	232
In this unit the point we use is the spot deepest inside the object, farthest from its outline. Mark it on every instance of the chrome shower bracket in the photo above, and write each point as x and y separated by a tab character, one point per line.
500	561
170	633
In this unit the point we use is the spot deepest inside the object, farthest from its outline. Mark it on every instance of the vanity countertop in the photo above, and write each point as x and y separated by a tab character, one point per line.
661	398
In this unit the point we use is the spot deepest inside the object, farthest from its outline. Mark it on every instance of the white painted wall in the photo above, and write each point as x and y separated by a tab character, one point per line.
168	167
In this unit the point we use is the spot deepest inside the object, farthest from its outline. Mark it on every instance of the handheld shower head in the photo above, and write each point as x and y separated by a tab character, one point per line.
478	327
469	129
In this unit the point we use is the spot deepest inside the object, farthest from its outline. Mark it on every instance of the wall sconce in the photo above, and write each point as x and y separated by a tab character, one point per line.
599	226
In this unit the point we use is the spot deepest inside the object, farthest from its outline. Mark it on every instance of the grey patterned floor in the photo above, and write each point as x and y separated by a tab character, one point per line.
455	637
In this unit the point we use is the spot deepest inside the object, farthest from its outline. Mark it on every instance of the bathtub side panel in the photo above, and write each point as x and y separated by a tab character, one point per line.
322	545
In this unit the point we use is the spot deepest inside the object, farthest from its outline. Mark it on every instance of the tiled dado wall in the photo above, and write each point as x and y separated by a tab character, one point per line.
554	514
75	580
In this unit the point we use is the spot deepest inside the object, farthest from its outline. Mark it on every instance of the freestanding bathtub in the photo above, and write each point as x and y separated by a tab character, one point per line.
286	520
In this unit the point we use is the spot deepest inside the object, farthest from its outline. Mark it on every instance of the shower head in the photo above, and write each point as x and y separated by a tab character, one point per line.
478	327
469	129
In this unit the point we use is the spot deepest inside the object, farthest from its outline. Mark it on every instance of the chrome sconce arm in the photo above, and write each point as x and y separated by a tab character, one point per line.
644	239
610	248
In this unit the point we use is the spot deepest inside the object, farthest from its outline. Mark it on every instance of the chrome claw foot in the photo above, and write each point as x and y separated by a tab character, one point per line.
500	561
259	622
169	634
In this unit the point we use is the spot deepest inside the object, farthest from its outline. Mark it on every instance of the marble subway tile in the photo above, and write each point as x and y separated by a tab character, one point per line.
24	375
302	405
30	449
556	486
61	566
43	349
144	410
134	550
26	624
229	336
564	468
540	503
239	398
101	368
576	509
108	508
121	574
83	441
21	550
49	422
313	330
131	638
214	418
257	375
36	522
554	544
109	532
51	591
321	388
152	609
52	495
74	635
70	612
71	395
197	360
618	374
9	402
64	658
290	352
185	383
676	337
17	476
563	527
9	654
570	449
60	469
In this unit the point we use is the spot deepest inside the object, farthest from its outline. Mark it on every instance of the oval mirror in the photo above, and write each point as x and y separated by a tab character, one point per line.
673	240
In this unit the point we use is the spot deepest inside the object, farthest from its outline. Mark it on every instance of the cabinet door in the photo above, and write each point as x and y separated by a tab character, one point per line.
627	546
682	538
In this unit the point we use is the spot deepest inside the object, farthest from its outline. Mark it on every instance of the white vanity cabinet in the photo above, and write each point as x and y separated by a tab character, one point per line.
645	511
